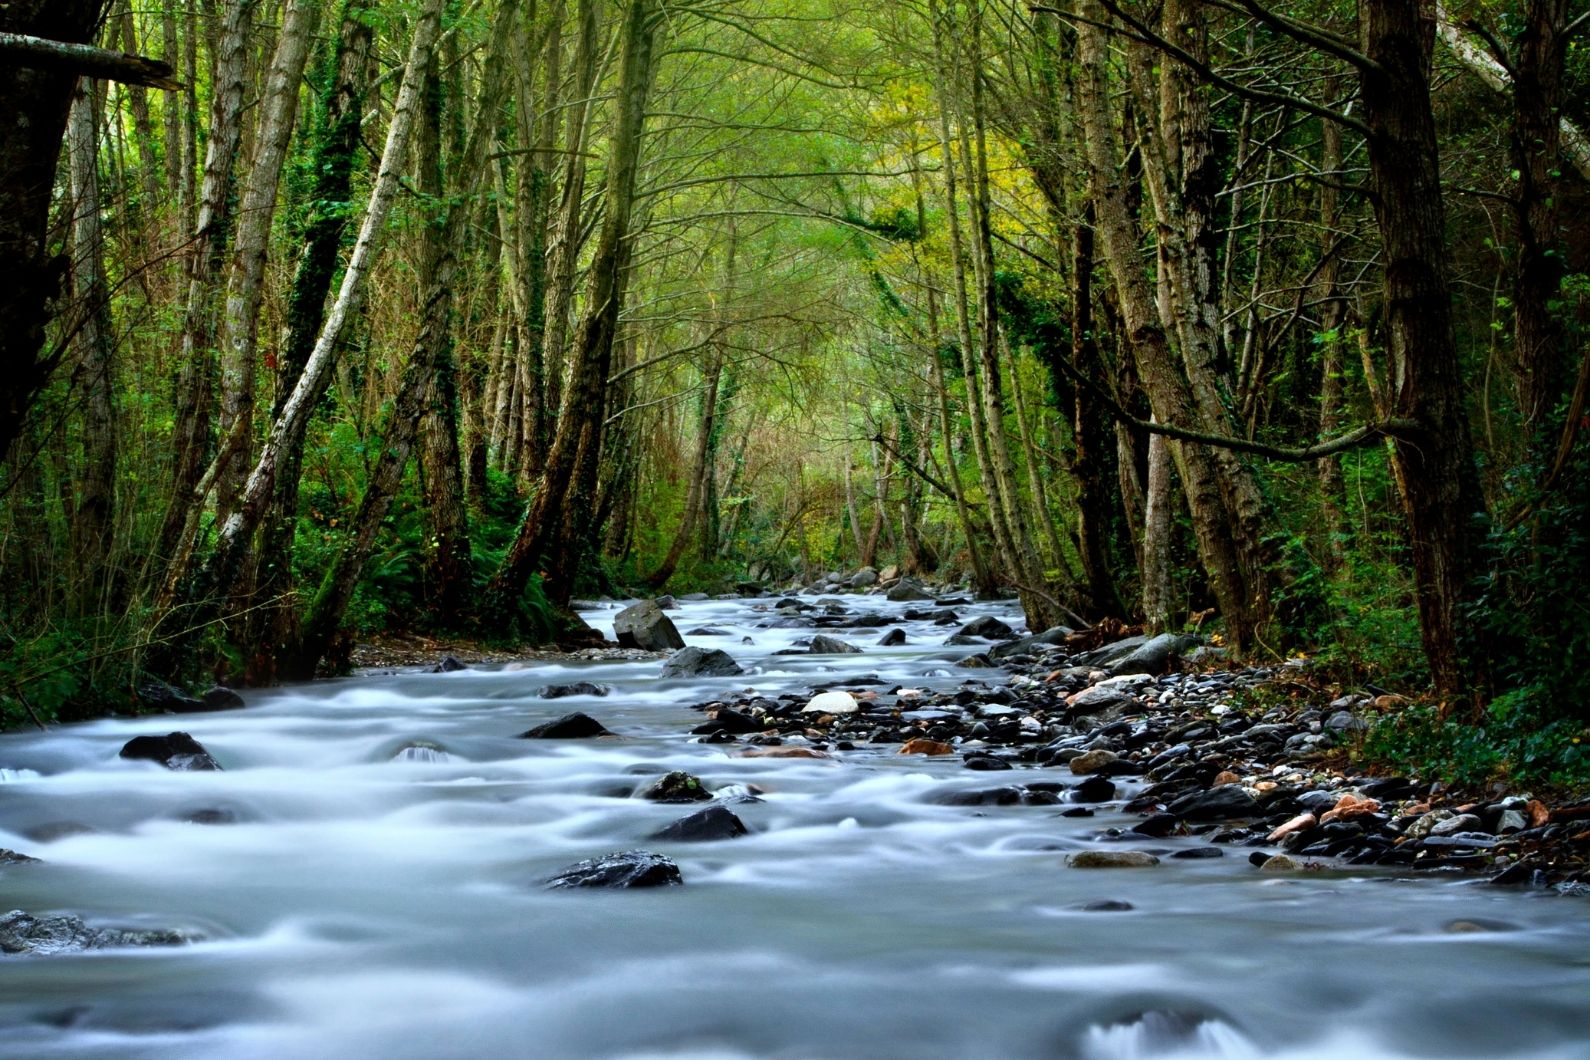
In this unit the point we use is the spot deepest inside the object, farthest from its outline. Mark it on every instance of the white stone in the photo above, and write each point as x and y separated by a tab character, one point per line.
832	703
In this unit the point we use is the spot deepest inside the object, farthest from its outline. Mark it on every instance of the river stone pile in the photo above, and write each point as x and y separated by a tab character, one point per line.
23	933
1238	757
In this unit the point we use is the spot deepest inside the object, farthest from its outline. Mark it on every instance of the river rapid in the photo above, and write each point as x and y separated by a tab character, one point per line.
366	876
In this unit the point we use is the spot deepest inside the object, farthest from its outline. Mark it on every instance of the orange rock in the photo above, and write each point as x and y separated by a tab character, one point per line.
1415	809
1350	806
1266	785
783	752
923	746
1224	778
1297	824
1539	816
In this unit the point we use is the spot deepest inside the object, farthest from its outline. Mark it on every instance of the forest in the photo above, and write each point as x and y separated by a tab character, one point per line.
338	320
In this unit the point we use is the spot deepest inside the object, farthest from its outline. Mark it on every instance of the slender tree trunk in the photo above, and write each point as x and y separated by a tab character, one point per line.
1440	483
1333	316
94	517
1090	434
1157	527
240	323
695	496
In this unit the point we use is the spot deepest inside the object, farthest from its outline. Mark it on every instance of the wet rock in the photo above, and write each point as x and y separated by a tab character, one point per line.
448	665
1463	822
677	786
831	703
667	603
703	826
1108	905
707	631
783	752
1199	853
907	590
863	578
922	746
578	688
643	625
211	816
576	726
23	933
701	662
1094	789
987	627
1280	863
1301	823
1216	804
822	644
221	698
156	695
892	639
1155	656
987	763
627	869
1350	807
11	857
1111	859
1100	699
730	720
1158	826
1093	761
1052	637
176	751
1422	825
1109	654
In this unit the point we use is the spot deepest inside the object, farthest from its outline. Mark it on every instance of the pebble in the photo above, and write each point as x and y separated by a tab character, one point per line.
1111	859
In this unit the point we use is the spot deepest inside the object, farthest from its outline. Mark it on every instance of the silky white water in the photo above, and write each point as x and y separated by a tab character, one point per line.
370	889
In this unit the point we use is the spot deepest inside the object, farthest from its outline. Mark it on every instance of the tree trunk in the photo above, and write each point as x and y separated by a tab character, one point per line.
1157	526
550	528
1436	463
33	110
698	474
240	323
1333	316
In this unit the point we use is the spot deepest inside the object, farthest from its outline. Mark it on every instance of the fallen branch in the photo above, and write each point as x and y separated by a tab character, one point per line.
87	61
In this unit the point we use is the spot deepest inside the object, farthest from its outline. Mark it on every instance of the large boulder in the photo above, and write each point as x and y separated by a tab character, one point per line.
578	688
11	857
574	726
155	695
988	627
176	751
644	626
703	826
1027	645
23	933
701	662
863	578
822	644
1109	654
677	786
906	590
1156	656
629	868
1216	804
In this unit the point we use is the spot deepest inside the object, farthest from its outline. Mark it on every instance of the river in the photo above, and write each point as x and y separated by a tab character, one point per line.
367	885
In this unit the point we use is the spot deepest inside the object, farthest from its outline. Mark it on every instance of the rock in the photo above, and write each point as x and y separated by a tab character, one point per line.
1422	825
701	662
822	644
907	591
629	868
1158	826
576	726
920	746
1345	721
1052	637
707	631
1111	859
11	857
1216	804
1510	821
155	695
1155	656
1199	853
783	752
667	603
1280	863
677	786
1094	789
987	627
221	698
730	720
1108	905
1109	654
1350	807
1301	823
42	936
986	763
644	626
703	826
176	751
831	703
863	578
578	688
1463	822
448	665
1100	699
1093	761
892	639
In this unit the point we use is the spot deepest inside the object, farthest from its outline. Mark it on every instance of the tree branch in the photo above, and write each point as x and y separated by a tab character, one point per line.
87	61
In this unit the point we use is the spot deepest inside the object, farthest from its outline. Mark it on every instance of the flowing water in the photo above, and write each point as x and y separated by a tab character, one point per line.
365	875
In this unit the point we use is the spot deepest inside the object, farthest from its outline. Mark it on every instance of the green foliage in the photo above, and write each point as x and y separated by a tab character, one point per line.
1516	739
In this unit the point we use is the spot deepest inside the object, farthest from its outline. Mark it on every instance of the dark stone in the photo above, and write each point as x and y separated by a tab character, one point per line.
448	665
1108	905
1077	811
11	857
1199	853
706	825
629	868
905	590
644	626
701	662
667	603
1026	645
221	698
988	627
211	816
156	695
22	933
576	726
892	639
1094	789
706	631
1158	655
730	720
677	786
867	621
1258	858
987	763
1216	804
822	644
176	751
1007	796
578	688
1158	826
